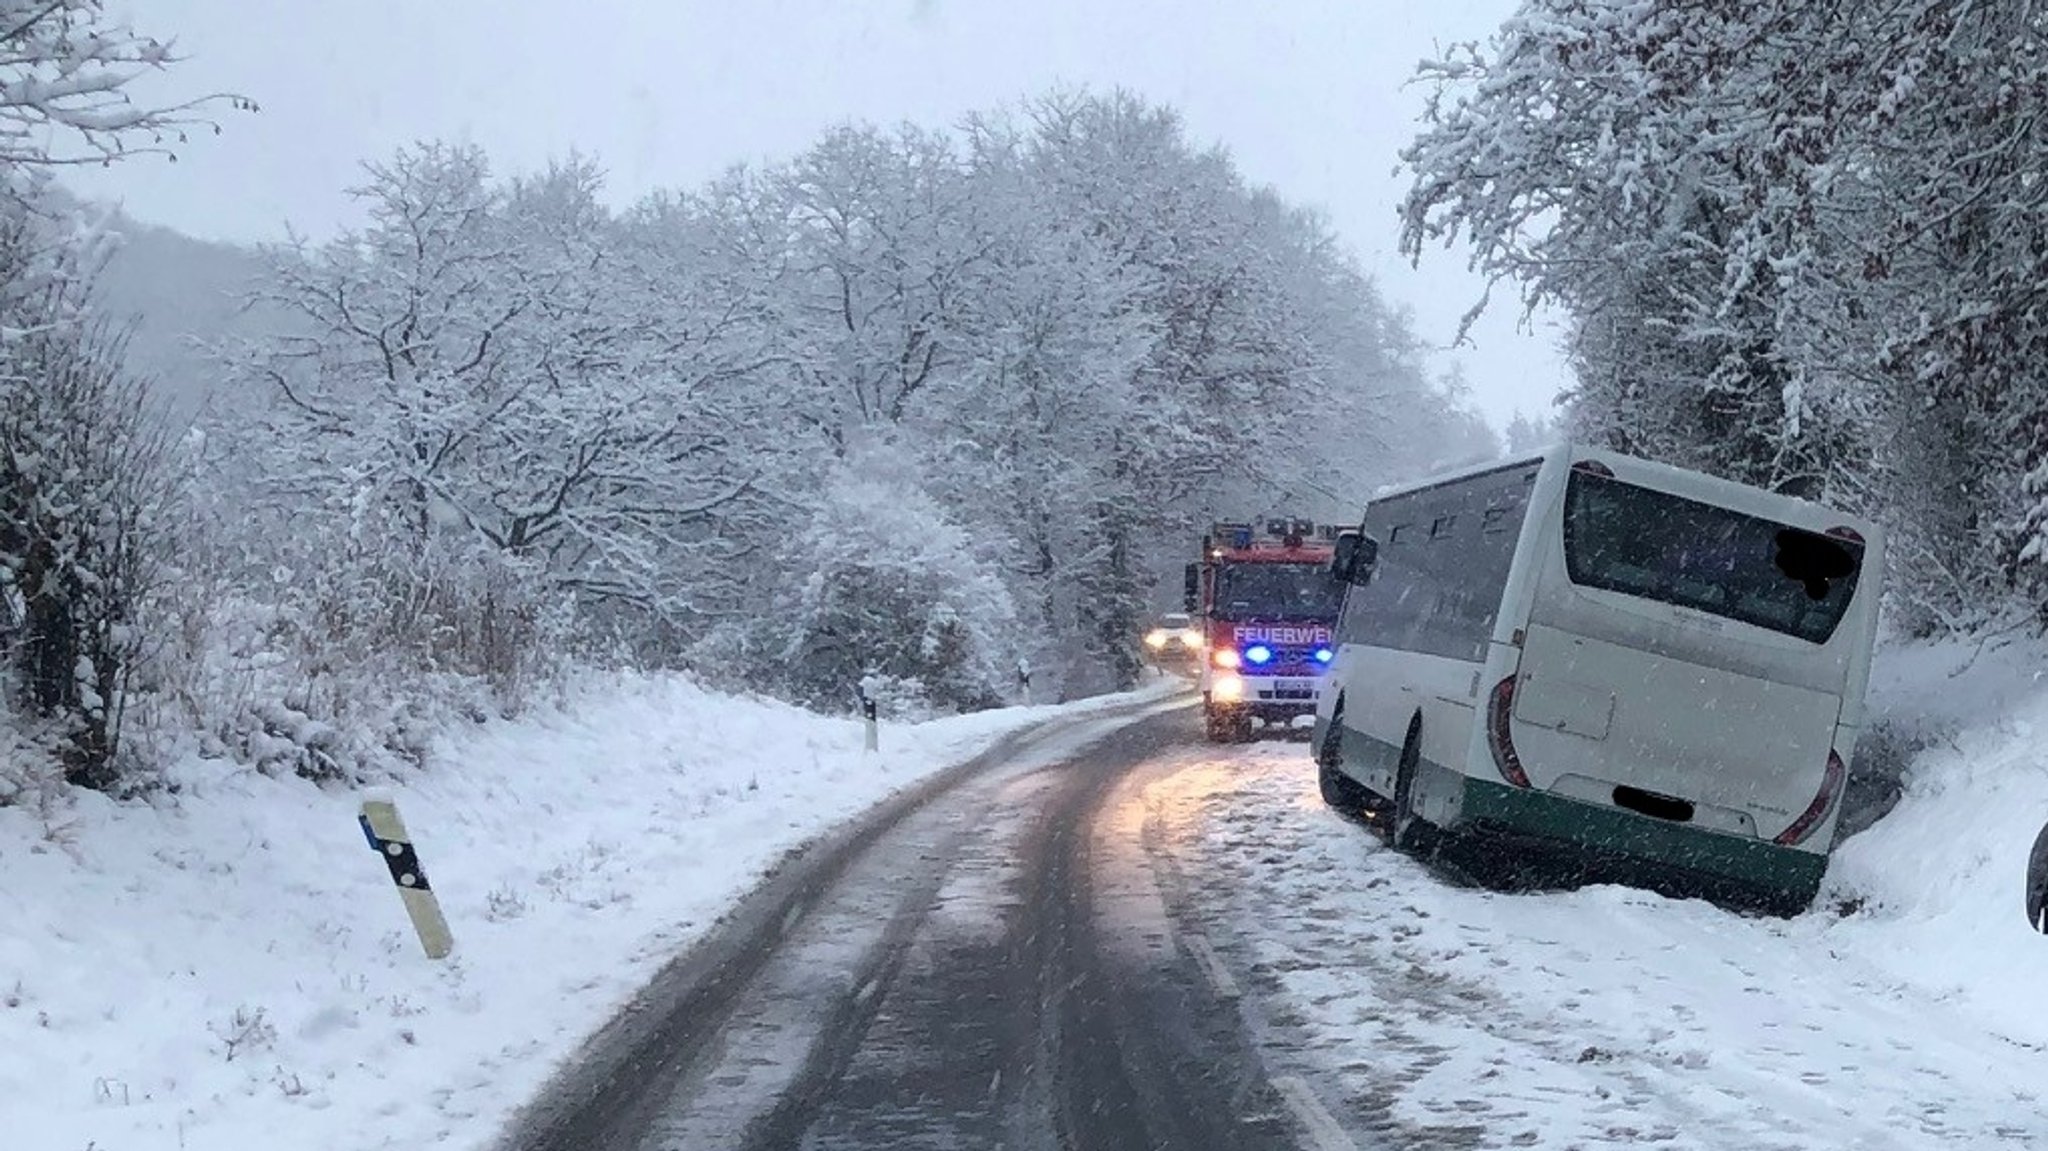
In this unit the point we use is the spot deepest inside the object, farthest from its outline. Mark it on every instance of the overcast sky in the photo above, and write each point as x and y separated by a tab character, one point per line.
1310	96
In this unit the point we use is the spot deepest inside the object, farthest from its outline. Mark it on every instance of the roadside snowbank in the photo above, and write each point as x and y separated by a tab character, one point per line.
1937	886
235	970
1904	1011
1431	1015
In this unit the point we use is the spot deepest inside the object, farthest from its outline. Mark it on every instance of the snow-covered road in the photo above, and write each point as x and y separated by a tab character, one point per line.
1429	1015
1155	942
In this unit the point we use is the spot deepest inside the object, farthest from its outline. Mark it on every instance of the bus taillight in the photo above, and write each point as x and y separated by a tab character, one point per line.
1500	707
1830	787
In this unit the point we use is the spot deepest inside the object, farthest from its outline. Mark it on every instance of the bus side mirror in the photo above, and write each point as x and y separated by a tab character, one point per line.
2037	884
1191	588
1356	555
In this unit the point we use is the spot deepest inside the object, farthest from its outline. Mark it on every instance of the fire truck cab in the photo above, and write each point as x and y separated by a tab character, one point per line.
1266	606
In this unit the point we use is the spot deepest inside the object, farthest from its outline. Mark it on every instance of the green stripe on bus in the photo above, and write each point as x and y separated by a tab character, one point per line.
1751	862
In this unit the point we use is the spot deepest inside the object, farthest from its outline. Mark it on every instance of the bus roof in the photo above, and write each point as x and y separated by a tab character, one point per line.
1470	471
1742	497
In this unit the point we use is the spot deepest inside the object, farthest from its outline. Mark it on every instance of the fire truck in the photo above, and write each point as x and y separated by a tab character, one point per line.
1265	604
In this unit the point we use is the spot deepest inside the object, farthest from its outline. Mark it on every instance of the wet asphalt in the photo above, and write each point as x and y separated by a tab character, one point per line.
982	963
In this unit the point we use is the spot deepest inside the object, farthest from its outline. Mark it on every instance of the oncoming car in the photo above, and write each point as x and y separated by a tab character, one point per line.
1651	673
1174	643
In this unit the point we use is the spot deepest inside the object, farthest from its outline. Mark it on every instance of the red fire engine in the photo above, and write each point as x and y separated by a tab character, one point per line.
1266	606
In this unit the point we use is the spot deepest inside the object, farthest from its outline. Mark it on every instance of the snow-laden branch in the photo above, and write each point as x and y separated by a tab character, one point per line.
66	67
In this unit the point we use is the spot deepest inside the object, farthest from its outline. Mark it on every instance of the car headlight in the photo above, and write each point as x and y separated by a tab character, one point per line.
1192	638
1156	640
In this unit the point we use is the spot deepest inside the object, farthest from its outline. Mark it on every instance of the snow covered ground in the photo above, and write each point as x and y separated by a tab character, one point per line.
1449	1017
235	970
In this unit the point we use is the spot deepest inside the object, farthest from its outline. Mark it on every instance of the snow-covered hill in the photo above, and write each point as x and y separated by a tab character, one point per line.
180	295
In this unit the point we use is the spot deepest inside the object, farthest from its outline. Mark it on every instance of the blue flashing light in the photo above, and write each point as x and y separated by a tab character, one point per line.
1325	655
1258	654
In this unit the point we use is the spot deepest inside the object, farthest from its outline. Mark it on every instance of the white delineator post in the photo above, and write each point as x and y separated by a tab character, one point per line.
387	836
1024	679
864	693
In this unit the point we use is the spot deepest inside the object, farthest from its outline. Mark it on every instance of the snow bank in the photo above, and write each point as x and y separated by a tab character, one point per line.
1432	1015
235	970
1904	1011
1936	887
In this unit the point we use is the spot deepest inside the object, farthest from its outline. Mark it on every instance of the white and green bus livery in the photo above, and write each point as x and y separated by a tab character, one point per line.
1650	674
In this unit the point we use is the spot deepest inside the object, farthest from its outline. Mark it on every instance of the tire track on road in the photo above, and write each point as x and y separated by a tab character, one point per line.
612	1092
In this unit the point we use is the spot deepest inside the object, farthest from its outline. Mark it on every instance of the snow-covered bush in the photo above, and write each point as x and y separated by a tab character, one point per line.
330	654
84	494
892	593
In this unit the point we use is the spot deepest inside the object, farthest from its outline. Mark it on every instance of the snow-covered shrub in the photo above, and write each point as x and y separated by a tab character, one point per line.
327	655
84	491
889	587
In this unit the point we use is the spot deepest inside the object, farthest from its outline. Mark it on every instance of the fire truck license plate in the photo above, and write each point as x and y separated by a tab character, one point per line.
1296	687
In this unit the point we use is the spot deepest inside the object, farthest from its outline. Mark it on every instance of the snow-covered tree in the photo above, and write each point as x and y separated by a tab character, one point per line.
1646	168
491	367
1799	245
895	597
65	69
1527	433
1071	335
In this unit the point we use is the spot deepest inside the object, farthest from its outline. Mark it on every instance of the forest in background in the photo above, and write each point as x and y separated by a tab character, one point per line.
915	407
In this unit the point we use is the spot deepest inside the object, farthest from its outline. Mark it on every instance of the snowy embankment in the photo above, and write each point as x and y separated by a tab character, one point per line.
1904	1011
1937	885
235	969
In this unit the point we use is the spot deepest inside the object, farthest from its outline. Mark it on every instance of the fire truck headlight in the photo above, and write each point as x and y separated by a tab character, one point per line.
1258	655
1225	657
1155	639
1227	687
1325	655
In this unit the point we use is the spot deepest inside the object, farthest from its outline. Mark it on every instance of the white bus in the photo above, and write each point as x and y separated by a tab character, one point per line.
1651	674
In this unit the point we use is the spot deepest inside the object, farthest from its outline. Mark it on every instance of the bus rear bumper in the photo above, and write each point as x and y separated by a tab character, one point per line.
1535	837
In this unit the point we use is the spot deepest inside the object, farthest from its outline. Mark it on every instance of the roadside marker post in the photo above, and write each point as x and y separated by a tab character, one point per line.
388	838
873	739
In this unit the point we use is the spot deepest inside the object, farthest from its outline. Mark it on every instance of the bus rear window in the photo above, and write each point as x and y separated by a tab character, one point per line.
1622	538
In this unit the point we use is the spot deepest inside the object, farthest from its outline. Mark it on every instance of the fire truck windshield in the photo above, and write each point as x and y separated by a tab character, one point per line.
1290	591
